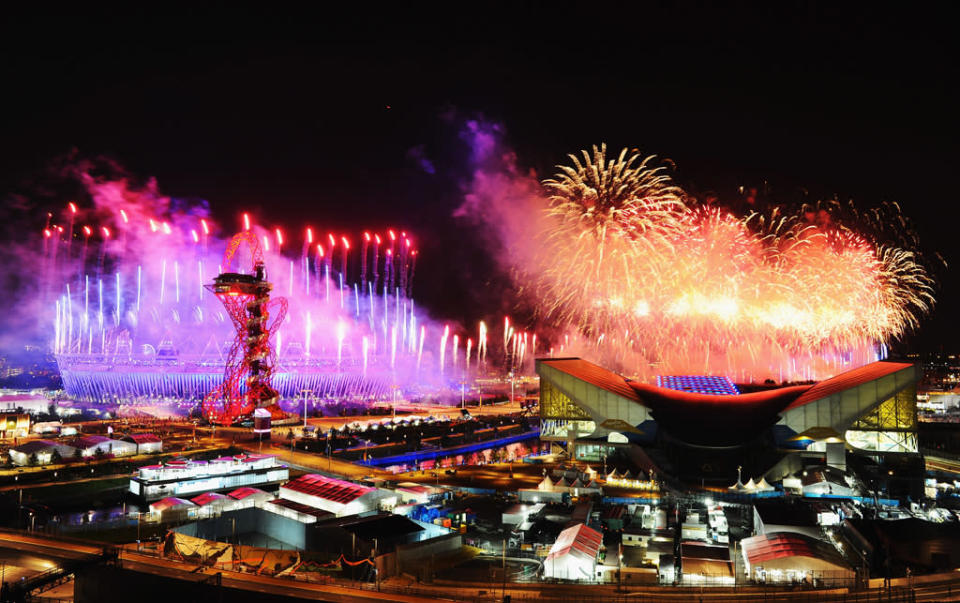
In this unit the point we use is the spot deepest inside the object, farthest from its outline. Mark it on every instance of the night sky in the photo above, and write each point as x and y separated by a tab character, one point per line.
323	116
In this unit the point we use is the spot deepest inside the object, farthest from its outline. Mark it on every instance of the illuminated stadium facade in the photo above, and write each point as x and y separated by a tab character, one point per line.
190	378
593	410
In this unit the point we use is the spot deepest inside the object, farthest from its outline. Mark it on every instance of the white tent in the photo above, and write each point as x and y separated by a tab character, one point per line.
574	555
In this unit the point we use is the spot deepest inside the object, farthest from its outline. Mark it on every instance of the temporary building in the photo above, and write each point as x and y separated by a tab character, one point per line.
41	450
337	496
574	555
212	503
146	443
791	557
91	444
172	504
249	497
764	486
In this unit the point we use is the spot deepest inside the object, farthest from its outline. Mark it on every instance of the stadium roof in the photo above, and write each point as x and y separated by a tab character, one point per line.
767	547
849	380
594	375
610	381
699	384
721	417
328	488
715	419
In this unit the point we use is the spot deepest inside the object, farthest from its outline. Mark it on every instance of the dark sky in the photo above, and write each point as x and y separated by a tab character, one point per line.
315	114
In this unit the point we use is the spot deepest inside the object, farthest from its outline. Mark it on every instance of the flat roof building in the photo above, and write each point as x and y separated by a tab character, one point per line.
190	477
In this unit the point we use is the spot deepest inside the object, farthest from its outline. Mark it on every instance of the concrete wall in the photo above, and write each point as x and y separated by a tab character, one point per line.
289	531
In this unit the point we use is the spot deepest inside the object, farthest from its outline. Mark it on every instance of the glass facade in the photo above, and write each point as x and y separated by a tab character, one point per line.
554	404
560	429
890	427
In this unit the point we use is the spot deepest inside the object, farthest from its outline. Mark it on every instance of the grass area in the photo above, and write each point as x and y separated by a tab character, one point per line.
466	553
22	476
60	493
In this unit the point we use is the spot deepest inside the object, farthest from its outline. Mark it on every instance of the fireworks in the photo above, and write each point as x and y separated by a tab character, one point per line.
648	278
131	318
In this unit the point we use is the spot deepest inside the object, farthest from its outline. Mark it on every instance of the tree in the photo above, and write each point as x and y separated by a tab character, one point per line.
33	459
56	457
98	452
77	453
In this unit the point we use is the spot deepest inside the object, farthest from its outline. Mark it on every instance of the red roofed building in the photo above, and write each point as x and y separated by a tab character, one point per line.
790	557
248	497
146	443
574	555
90	445
172	504
337	496
208	498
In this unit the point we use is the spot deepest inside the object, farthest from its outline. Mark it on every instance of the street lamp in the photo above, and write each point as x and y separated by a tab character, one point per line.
504	590
304	394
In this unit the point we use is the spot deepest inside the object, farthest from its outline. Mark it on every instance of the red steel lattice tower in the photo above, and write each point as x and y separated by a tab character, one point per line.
249	368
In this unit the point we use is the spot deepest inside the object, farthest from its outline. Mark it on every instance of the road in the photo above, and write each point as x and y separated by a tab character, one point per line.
942	464
315	462
325	423
43	552
31	553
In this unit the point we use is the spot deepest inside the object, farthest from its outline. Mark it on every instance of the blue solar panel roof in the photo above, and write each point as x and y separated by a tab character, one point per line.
699	384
